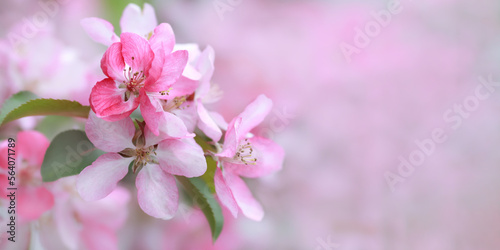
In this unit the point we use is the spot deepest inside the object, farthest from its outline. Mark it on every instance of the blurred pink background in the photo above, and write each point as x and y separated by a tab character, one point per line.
345	120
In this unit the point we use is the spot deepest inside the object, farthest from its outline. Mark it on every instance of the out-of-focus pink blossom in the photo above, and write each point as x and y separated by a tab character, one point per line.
32	196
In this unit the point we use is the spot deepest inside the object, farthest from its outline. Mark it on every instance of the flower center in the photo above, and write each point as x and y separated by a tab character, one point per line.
144	156
169	105
245	154
133	79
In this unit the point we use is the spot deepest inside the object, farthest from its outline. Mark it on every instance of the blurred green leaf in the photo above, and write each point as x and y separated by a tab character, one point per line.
68	154
208	177
26	106
14	102
200	193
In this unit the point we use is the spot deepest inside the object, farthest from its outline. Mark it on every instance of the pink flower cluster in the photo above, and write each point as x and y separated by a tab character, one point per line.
170	84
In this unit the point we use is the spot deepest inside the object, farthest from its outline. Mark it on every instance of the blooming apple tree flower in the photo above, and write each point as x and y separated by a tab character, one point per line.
243	154
156	159
172	137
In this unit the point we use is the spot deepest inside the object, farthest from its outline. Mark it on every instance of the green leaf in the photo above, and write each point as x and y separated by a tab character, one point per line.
68	154
208	176
34	107
200	193
14	102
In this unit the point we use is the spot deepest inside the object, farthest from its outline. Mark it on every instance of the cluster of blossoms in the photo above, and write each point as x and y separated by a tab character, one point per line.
170	84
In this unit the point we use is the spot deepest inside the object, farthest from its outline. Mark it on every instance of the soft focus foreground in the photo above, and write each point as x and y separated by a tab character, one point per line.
387	112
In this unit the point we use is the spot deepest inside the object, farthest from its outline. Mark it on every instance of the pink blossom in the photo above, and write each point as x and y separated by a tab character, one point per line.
33	198
157	158
74	222
142	69
130	66
245	155
187	103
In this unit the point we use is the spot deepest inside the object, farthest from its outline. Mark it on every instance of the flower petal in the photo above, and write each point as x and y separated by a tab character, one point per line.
100	30
183	86
138	21
161	123
250	207
241	125
224	193
112	63
219	120
205	65
33	202
171	70
110	211
157	192
32	146
107	101
97	237
67	226
189	116
110	136
269	157
194	53
207	124
182	157
163	38
99	179
136	52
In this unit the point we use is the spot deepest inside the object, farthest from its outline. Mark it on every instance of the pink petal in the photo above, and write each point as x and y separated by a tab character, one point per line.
163	38
182	157
207	124
188	115
99	30
32	146
33	202
231	139
110	136
4	150
49	235
136	52
112	63
224	193
219	120
138	21
107	101
183	86
205	66
250	207
68	227
97	237
156	67
194	53
161	123
99	179
4	184
157	192
172	69
110	211
241	125
269	157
